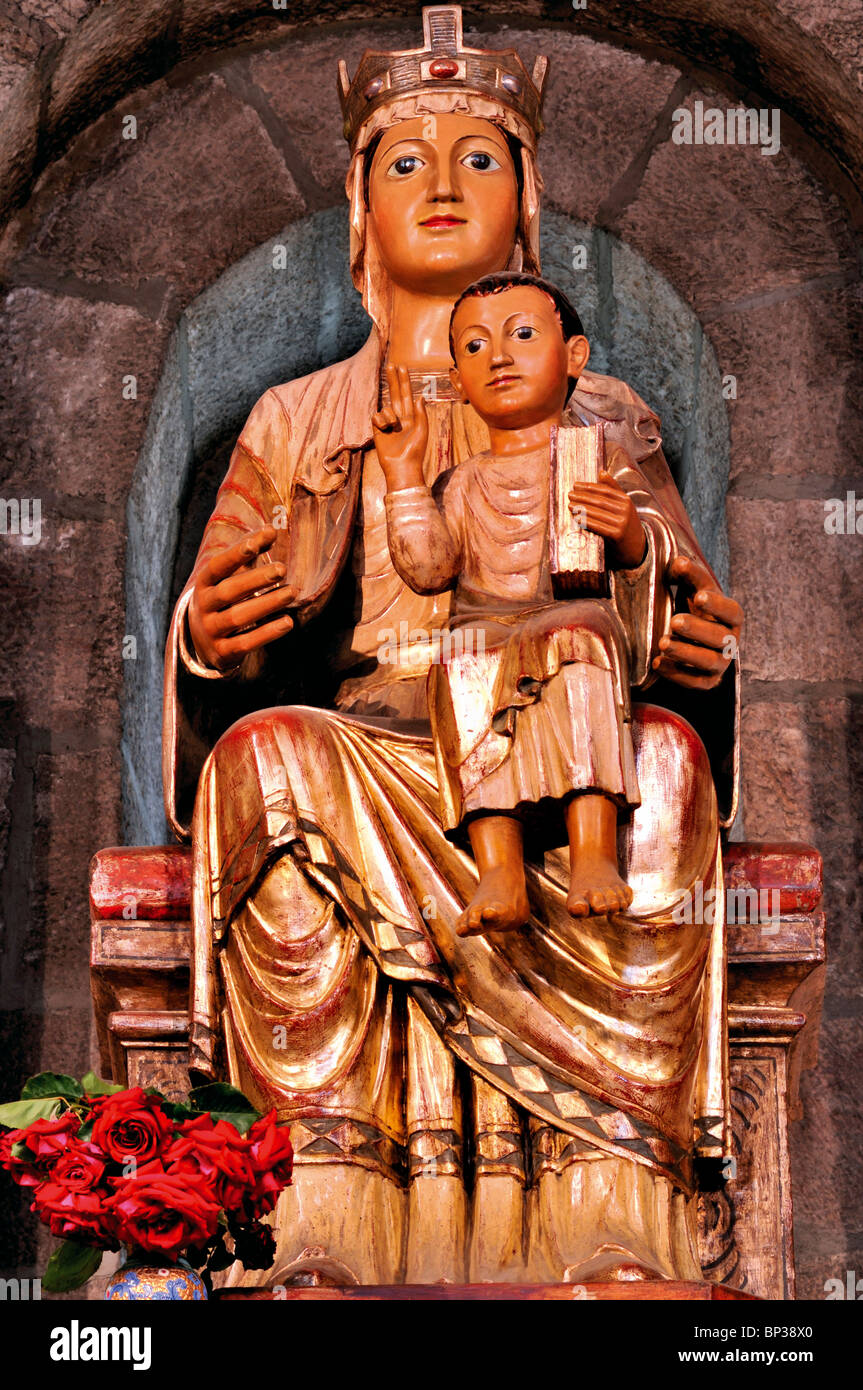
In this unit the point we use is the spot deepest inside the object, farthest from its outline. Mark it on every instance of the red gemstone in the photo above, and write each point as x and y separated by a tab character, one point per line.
443	67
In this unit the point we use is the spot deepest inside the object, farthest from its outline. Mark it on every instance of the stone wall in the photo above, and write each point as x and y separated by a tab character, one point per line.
116	250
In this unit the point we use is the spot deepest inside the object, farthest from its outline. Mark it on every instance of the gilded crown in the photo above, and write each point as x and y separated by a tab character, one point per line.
441	64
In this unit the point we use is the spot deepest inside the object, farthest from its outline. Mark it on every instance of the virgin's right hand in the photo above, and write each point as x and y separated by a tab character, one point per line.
400	432
228	615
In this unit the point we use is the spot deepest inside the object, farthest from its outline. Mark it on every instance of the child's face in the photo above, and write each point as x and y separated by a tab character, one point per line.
512	362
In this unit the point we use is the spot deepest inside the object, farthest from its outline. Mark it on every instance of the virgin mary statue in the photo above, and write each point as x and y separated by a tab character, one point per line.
502	1107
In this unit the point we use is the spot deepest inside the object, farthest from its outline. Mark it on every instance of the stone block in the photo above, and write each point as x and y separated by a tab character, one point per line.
65	426
802	774
19	118
76	812
290	73
794	582
202	23
799	406
600	107
109	52
564	244
825	1147
199	186
65	640
759	223
655	344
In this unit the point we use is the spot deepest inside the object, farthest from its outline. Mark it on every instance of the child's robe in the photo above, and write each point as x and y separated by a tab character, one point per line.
529	696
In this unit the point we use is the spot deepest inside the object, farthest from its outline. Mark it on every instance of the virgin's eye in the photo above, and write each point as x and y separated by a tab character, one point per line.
524	331
404	165
473	346
480	160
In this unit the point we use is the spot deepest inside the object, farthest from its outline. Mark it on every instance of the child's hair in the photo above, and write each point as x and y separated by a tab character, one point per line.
508	279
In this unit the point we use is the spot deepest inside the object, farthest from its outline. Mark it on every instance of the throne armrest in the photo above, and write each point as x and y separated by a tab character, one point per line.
776	951
140	936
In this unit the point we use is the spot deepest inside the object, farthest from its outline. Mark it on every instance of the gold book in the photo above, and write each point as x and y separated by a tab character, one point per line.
576	556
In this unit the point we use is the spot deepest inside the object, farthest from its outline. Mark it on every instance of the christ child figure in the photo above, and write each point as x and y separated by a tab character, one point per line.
529	695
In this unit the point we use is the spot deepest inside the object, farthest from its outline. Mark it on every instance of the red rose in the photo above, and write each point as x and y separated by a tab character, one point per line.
272	1158
163	1212
80	1168
131	1125
75	1215
217	1151
45	1141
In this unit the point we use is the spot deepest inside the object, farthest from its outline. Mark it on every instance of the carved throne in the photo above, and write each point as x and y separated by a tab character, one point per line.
139	904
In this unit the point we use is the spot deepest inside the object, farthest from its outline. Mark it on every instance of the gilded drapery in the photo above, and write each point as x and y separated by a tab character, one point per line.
462	1082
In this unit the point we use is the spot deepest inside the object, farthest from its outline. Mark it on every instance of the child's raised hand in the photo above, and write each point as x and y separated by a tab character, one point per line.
607	509
400	432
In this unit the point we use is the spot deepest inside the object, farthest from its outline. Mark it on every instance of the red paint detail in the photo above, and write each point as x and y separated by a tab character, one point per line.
158	879
794	870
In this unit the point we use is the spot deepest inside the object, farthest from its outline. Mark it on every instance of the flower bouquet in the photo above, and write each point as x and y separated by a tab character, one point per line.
110	1167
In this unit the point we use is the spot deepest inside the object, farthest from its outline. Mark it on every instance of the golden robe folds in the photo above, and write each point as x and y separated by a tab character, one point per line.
462	1108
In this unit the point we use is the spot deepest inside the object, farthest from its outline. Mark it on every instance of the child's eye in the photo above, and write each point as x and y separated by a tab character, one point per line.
473	346
480	160
404	165
524	331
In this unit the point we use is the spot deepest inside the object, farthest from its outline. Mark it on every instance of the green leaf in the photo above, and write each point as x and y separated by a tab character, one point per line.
18	1114
86	1130
95	1086
178	1112
48	1083
20	1150
224	1102
70	1266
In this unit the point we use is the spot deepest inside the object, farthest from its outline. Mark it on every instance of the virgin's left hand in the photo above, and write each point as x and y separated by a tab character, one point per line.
703	642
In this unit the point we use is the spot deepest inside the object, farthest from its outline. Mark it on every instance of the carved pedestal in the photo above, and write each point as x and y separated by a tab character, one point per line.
139	901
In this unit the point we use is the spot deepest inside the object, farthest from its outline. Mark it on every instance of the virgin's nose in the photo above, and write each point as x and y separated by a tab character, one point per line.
500	356
443	186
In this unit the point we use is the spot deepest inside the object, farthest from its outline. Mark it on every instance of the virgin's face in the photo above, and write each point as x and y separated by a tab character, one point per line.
443	202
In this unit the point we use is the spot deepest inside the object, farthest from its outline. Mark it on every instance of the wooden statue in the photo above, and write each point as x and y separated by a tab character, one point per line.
539	688
466	1104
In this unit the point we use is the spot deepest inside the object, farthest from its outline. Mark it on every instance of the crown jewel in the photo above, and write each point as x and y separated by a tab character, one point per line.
443	64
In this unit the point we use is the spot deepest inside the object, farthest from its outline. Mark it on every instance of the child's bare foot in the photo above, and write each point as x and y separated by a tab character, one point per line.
499	903
595	886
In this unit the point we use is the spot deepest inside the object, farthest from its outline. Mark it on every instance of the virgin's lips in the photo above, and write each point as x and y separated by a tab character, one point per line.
443	220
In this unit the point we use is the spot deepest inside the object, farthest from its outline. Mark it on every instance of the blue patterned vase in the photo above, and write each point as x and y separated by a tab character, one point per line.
140	1278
